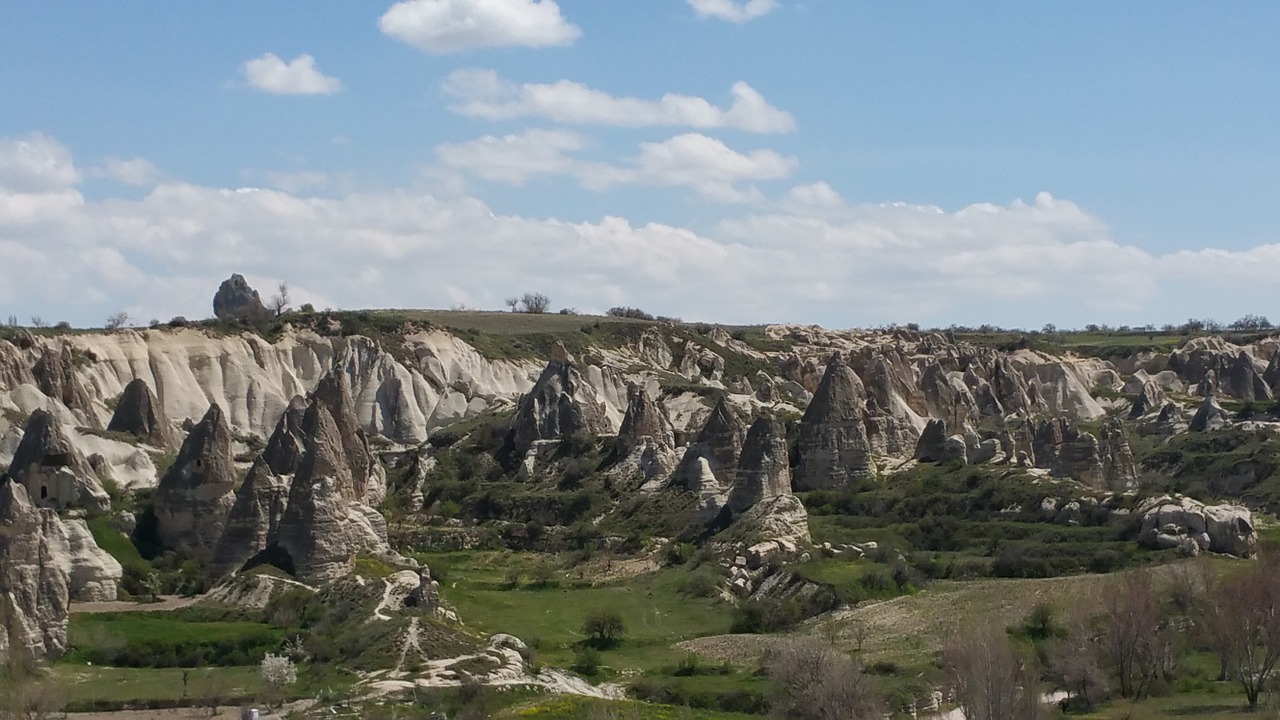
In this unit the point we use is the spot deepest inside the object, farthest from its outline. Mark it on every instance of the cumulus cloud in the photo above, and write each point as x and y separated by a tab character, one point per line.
736	11
446	26
811	256
513	159
700	163
696	161
299	76
36	163
485	94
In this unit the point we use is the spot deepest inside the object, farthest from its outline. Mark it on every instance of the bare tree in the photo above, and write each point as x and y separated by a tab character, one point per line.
989	681
535	303
1073	660
1139	644
1248	619
117	320
280	301
816	682
38	322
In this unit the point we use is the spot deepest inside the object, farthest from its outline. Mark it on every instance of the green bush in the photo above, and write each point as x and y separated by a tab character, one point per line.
586	661
603	628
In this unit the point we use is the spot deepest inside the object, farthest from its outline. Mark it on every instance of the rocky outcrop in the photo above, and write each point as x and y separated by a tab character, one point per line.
286	445
646	442
1119	472
1243	381
1151	398
51	469
946	398
932	444
560	404
195	495
139	414
367	477
1209	416
833	444
55	375
325	524
34	596
92	574
1169	522
236	300
253	522
780	521
764	469
1170	421
1065	451
709	467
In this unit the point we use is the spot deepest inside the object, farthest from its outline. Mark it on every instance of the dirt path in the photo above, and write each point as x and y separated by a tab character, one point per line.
167	603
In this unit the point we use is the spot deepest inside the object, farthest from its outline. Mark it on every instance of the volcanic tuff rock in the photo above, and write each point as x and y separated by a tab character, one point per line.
141	415
253	522
1065	451
324	524
833	444
560	404
932	444
52	470
1183	522
194	497
92	574
646	442
709	467
286	445
1242	380
34	597
55	375
1119	471
1151	397
367	477
1209	416
764	468
235	299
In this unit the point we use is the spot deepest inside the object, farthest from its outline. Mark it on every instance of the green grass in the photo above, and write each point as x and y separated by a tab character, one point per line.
166	640
88	685
655	612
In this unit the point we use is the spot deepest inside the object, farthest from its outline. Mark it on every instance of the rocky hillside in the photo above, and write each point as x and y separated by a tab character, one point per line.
295	449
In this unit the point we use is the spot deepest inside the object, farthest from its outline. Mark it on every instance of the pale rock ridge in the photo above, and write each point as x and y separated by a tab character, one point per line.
52	469
1170	522
194	497
34	596
140	414
367	476
92	574
833	445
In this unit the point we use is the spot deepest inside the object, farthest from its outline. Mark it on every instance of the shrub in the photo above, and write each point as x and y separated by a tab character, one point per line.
586	661
628	312
603	628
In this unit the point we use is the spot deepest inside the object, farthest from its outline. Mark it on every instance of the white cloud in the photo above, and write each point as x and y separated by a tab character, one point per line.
696	161
139	172
737	11
703	164
814	257
484	94
36	163
446	26
299	76
513	159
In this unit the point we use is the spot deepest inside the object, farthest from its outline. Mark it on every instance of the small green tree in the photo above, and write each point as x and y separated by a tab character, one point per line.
603	628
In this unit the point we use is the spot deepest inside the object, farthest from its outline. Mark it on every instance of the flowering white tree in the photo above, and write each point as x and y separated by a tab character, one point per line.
276	672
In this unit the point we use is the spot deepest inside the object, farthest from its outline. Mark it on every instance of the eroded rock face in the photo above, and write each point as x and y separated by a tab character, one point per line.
932	444
1209	416
253	523
325	523
286	445
646	442
235	299
53	471
1243	381
763	468
141	415
1067	452
33	584
833	445
195	495
709	467
92	574
1151	398
334	392
55	375
1119	471
560	404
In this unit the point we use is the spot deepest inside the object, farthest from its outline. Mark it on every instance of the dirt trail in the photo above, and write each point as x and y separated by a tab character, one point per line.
167	603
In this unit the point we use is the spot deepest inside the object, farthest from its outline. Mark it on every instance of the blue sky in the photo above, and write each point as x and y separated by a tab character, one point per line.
828	161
